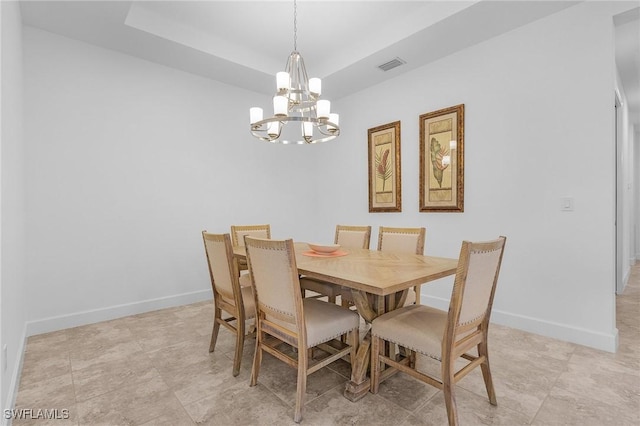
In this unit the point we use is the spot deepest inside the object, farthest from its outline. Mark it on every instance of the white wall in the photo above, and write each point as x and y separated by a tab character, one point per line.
538	104
128	161
12	225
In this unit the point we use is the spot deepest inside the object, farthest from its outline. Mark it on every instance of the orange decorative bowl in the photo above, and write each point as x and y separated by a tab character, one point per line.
324	248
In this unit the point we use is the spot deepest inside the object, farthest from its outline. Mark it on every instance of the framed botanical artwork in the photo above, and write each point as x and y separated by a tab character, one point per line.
384	168
442	160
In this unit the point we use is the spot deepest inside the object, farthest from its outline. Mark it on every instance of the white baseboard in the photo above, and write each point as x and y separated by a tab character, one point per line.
565	332
61	322
12	393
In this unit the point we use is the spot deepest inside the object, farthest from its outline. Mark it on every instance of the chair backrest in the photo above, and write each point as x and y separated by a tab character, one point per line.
274	276
474	286
353	236
257	231
222	268
402	240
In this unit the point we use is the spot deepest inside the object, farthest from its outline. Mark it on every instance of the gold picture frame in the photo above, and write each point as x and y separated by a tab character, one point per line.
442	160
384	168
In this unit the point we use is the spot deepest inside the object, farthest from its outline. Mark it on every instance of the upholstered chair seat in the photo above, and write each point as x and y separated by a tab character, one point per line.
398	327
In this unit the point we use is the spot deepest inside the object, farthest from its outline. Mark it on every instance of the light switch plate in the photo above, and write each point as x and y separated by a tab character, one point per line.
566	204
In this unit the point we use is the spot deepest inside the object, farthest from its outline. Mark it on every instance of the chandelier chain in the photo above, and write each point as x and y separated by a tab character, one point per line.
295	26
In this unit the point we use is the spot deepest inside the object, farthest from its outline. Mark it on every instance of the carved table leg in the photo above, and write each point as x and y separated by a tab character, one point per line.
369	307
359	384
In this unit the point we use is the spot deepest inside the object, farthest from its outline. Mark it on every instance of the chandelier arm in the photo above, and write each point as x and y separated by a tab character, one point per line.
260	131
317	121
298	142
326	132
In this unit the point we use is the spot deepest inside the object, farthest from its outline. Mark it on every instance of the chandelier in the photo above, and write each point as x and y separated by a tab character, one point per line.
296	105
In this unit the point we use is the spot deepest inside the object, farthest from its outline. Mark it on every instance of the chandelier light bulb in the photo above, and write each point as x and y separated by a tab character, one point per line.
280	106
273	129
307	130
323	108
315	86
255	114
335	119
283	81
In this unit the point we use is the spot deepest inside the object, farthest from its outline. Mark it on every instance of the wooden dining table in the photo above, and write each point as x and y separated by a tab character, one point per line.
379	282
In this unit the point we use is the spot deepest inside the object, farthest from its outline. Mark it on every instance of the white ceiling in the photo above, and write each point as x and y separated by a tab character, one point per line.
244	43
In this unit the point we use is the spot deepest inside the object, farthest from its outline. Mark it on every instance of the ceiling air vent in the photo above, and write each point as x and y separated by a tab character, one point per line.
395	62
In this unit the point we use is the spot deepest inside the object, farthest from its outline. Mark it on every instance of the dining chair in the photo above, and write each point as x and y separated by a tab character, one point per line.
353	236
286	320
232	293
400	240
445	336
237	237
403	240
347	237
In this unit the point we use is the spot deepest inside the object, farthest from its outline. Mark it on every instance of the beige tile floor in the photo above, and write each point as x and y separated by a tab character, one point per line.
155	369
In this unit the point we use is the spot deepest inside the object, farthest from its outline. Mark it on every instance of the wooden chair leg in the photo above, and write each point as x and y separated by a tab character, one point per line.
375	364
412	359
344	337
355	342
237	359
332	299
417	290
448	391
217	316
257	360
486	373
301	389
